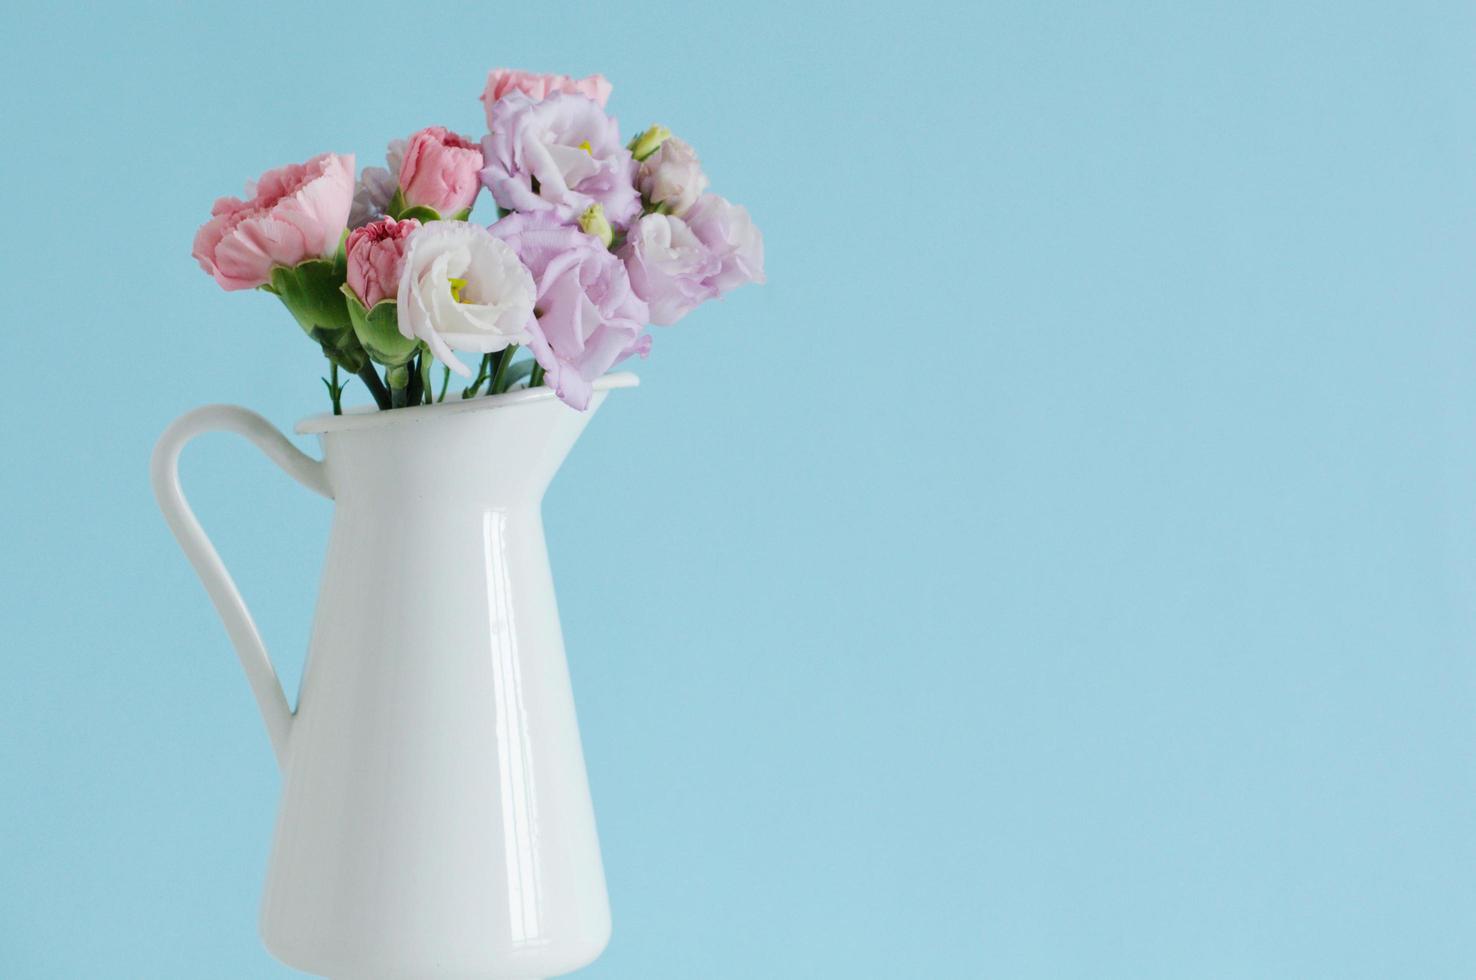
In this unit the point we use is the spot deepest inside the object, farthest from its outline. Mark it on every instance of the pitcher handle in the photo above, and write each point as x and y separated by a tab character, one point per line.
164	473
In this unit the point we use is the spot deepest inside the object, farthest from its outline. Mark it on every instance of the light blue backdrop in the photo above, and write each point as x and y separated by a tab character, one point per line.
1064	568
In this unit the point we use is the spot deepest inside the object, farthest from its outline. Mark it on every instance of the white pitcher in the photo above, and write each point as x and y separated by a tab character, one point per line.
435	818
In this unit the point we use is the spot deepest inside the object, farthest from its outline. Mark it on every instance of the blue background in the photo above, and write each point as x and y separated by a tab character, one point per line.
1064	567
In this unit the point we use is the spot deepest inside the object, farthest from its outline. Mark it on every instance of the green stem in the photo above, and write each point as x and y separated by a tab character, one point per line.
536	378
414	390
335	389
402	384
376	387
504	361
445	380
481	376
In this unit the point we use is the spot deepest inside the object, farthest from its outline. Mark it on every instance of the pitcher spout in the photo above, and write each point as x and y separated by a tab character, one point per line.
508	446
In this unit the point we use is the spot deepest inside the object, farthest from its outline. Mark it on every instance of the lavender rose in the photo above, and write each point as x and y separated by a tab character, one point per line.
588	318
560	154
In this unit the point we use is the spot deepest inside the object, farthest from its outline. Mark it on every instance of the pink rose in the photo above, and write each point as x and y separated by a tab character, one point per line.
501	81
294	213
440	171
376	257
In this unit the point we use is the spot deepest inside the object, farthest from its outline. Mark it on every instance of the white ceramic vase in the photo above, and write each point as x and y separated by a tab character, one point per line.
435	821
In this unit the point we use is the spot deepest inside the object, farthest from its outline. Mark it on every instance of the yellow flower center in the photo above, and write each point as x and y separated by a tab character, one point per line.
586	148
457	285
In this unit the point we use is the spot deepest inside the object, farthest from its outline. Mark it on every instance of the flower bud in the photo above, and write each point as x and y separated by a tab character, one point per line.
593	222
671	179
645	144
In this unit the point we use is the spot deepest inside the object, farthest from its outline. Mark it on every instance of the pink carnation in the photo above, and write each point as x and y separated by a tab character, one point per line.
440	171
376	257
293	214
501	81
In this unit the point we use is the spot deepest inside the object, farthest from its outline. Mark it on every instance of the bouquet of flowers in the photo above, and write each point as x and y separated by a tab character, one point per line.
595	238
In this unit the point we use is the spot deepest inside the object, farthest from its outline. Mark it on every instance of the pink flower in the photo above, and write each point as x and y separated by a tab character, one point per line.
294	213
440	171
376	257
501	81
587	318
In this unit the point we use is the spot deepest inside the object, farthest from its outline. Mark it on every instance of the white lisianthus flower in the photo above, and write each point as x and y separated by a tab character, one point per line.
672	177
463	290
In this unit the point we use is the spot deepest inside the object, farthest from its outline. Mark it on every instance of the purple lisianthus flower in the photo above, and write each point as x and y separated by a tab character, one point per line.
669	267
677	263
730	234
376	187
587	318
559	154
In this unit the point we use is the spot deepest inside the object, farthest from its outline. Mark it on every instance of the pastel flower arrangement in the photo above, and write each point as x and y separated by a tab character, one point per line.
595	239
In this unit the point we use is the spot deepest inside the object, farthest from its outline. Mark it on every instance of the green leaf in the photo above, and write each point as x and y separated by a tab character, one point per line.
396	205
519	371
